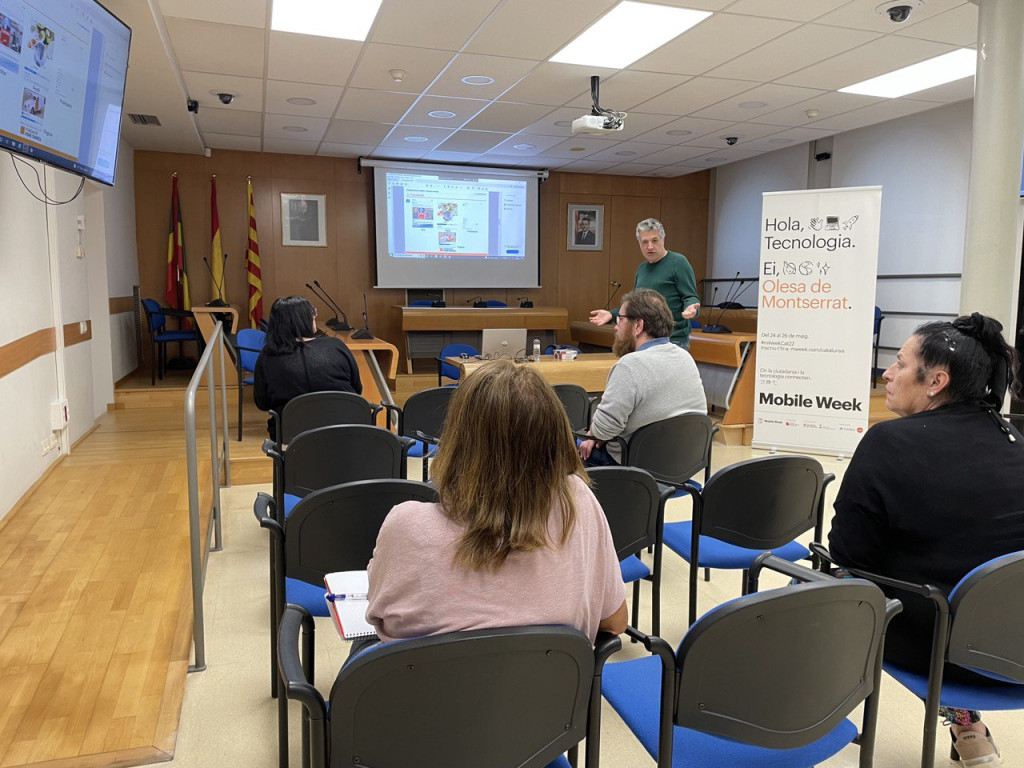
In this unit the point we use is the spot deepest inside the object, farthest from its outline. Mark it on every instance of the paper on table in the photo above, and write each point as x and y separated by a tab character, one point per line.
349	614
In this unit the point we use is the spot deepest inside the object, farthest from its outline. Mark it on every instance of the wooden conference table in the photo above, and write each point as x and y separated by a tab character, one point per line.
589	370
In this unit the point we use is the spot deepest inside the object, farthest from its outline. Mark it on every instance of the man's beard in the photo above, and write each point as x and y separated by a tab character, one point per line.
623	345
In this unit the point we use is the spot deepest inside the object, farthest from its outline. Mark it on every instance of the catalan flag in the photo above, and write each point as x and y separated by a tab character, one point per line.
216	251
252	267
176	284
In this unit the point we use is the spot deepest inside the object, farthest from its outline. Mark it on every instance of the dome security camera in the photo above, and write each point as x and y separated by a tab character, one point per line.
226	98
899	13
730	140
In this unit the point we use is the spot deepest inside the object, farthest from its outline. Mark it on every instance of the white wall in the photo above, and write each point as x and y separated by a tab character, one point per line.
45	285
922	163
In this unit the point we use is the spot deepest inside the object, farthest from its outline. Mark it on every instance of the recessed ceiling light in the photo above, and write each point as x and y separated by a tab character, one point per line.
294	128
752	104
441	114
780	141
564	123
522	146
415	139
298	101
628	32
477	80
678	132
576	149
325	18
625	153
917	77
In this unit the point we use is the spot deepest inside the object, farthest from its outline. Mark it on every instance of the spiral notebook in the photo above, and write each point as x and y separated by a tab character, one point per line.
349	612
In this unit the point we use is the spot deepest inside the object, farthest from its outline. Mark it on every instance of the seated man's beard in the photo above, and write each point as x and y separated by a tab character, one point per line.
623	345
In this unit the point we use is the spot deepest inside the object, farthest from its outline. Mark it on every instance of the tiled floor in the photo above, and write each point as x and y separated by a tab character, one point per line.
229	719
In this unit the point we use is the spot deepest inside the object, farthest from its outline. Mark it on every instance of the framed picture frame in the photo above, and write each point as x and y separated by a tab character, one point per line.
304	220
585	230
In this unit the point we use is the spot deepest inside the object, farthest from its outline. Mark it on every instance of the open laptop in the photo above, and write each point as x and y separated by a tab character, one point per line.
503	342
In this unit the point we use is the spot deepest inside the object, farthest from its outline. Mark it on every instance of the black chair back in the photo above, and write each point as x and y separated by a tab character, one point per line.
577	405
632	502
327	456
763	503
322	409
985	634
335	529
673	449
425	412
782	668
494	697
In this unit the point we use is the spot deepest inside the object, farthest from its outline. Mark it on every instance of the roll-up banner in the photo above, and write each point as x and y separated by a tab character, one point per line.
815	318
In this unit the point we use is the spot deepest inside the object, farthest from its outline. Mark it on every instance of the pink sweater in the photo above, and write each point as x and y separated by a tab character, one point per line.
415	589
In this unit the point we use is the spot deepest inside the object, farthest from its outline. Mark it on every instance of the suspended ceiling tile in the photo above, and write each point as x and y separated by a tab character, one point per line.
278	92
207	47
507	116
414	23
374	106
356	132
421	66
505	71
311	59
230	121
462	111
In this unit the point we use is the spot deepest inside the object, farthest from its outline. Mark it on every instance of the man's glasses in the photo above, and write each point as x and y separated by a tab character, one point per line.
621	316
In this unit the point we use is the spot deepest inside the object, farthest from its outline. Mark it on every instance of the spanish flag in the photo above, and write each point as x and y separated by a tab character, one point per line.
176	283
216	252
252	267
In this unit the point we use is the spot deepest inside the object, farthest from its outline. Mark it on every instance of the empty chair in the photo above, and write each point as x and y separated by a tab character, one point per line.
322	409
673	449
767	679
447	370
248	345
420	303
979	627
423	415
333	529
516	697
747	508
160	335
577	405
635	507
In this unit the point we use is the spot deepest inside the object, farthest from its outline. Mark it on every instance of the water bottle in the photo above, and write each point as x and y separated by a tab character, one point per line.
536	350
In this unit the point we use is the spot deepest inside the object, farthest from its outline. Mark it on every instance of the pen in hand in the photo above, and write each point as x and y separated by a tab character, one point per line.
347	596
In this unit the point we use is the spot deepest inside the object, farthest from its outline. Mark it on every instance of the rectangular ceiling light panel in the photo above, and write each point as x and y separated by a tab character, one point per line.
342	19
918	77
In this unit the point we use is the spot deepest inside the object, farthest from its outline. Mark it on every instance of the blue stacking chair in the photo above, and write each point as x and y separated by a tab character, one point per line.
748	508
979	626
517	697
635	507
248	345
161	336
447	370
495	303
767	679
333	529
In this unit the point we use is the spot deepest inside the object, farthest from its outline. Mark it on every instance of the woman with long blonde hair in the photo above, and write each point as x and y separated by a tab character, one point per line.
517	537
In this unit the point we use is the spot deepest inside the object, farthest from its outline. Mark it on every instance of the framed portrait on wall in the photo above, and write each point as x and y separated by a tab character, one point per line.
303	220
585	227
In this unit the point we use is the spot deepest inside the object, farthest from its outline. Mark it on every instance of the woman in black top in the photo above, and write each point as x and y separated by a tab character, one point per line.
930	496
295	361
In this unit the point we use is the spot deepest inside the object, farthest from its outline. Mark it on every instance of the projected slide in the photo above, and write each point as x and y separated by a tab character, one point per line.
430	217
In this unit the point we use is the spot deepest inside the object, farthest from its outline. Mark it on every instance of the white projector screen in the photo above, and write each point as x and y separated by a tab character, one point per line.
442	226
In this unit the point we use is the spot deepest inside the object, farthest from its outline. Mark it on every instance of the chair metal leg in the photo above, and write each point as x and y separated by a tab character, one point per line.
636	603
743	585
275	609
152	366
240	390
707	574
693	593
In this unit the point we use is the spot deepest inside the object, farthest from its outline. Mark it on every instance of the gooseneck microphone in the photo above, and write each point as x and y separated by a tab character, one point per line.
364	332
478	302
343	325
615	289
718	327
334	323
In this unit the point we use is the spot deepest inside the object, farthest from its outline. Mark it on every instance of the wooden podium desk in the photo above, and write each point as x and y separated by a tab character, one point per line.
727	364
589	370
427	329
377	361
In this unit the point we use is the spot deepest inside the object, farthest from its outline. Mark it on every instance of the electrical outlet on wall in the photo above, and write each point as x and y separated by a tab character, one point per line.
51	443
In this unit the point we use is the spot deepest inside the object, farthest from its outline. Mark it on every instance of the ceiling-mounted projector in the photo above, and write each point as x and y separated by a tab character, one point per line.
596	124
599	120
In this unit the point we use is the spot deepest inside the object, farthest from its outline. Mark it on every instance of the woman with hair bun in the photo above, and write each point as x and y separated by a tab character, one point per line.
295	361
930	496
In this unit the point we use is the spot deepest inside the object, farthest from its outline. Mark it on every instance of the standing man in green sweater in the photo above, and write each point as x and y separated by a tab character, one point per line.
668	273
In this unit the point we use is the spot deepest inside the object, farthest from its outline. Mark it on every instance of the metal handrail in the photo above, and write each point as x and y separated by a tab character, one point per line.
199	553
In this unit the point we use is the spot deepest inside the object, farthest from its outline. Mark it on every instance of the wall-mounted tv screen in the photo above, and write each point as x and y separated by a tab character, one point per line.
455	226
63	65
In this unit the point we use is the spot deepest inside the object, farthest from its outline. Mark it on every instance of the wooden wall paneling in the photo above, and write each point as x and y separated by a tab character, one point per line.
73	333
585	183
626	213
582	275
118	304
22	351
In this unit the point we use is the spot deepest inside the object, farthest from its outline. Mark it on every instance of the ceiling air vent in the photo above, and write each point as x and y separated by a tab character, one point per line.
143	119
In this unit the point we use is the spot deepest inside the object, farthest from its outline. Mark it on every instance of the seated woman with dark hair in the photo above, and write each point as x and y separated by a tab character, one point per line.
295	361
930	496
517	537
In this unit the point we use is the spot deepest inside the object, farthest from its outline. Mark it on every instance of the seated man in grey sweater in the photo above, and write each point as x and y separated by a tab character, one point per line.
654	380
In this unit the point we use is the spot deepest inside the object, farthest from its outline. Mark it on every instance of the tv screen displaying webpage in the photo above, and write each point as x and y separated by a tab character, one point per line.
63	65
